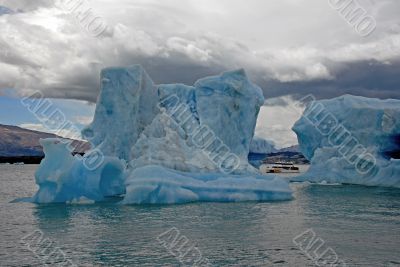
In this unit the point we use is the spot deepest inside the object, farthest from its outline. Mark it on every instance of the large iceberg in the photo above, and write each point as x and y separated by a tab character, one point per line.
262	146
164	144
351	139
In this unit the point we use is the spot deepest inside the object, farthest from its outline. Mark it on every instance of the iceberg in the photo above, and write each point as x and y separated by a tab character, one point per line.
203	128
196	148
262	146
163	144
63	178
259	148
352	140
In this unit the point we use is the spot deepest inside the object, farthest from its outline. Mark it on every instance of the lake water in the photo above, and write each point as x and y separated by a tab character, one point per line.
360	224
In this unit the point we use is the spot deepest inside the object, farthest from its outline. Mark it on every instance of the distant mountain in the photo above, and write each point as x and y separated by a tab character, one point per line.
16	141
290	154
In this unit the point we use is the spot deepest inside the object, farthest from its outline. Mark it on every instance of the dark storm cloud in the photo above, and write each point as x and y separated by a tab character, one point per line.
365	78
45	48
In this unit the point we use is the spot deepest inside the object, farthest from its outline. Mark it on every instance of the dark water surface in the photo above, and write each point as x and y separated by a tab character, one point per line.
361	224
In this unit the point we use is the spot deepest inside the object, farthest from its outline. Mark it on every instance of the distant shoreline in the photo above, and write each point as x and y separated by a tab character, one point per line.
24	159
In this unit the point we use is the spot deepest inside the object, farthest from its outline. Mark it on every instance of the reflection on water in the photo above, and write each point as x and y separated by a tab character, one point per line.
360	223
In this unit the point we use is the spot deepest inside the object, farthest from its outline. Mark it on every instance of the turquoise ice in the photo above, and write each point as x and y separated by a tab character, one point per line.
351	139
164	144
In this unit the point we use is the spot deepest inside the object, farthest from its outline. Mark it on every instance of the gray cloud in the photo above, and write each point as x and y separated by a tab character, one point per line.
5	10
369	78
26	5
295	51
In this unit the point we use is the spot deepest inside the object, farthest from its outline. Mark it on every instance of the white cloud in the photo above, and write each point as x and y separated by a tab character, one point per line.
66	133
276	120
85	120
34	127
180	41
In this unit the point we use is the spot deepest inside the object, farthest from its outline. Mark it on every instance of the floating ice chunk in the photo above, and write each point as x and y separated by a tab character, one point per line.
351	139
158	185
62	177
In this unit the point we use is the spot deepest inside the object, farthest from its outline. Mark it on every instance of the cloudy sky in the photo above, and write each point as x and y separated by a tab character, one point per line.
290	48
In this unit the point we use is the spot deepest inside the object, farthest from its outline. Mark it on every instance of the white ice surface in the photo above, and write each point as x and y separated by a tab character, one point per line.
339	155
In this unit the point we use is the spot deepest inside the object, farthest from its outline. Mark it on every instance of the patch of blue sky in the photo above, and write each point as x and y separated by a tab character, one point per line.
13	112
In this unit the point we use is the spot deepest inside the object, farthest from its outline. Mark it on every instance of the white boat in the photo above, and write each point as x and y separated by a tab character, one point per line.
279	167
18	163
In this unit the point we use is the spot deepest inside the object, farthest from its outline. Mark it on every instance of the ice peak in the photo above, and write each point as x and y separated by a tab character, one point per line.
194	148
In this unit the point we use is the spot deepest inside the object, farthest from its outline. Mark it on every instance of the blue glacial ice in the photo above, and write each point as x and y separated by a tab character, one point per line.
262	146
351	139
164	144
126	105
62	177
156	184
